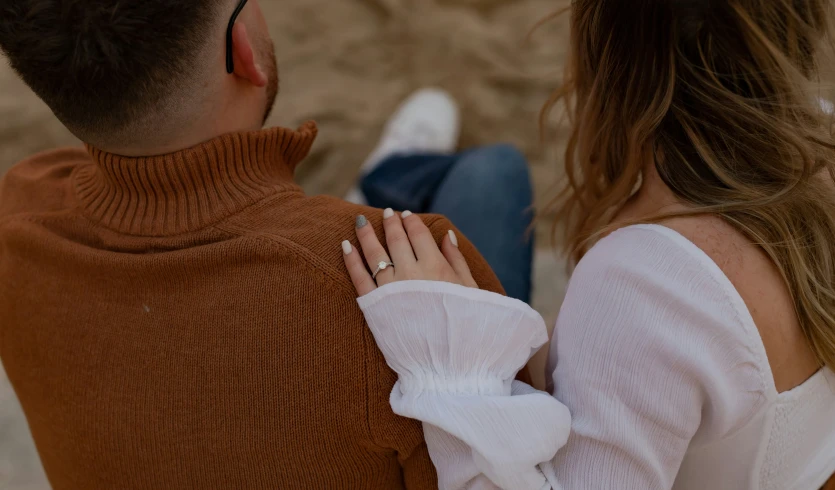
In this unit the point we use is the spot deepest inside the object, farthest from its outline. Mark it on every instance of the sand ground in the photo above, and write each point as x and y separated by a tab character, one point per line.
347	64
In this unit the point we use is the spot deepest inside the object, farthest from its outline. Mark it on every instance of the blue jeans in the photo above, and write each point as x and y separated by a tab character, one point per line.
485	192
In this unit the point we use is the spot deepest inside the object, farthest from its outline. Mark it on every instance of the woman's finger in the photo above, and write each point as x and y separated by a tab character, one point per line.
422	240
400	247
357	270
375	254
449	247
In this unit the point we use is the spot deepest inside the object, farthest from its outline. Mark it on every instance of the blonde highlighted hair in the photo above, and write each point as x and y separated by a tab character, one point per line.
724	98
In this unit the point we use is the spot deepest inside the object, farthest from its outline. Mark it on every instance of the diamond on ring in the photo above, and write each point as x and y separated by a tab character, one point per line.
381	266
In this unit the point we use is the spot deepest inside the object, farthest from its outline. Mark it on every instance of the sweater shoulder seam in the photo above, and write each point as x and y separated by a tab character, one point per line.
334	279
319	265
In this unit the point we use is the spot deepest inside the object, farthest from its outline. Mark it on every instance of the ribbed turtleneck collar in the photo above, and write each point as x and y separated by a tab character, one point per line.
193	188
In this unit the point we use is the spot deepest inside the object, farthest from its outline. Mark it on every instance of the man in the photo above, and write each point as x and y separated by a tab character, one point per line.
175	311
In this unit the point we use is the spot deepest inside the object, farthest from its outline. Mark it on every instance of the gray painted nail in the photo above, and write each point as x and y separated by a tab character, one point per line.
361	221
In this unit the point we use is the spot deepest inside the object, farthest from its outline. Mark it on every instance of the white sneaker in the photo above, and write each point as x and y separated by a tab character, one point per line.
429	121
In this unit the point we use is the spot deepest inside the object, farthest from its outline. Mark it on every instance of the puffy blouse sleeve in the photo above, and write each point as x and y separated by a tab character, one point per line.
457	351
653	350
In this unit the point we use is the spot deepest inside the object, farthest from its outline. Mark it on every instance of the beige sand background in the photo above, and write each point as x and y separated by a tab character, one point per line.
347	64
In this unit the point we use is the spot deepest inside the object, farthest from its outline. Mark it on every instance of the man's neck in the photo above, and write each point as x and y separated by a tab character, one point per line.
181	143
236	112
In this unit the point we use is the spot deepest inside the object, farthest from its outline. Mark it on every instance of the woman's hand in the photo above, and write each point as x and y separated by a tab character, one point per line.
413	250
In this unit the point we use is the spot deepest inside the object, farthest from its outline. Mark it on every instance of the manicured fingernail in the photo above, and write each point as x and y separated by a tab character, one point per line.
388	213
347	248
406	214
361	221
453	238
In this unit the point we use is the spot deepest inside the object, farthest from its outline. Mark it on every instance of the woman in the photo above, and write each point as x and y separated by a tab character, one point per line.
696	343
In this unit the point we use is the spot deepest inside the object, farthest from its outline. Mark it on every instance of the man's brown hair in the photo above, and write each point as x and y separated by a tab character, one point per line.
104	66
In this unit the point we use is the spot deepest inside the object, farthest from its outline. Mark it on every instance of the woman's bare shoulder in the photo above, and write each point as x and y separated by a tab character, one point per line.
761	286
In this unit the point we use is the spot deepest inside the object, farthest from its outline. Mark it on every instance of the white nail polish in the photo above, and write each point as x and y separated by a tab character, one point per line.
406	214
347	248
388	213
453	238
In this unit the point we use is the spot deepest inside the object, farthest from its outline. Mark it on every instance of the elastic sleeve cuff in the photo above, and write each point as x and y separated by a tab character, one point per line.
445	338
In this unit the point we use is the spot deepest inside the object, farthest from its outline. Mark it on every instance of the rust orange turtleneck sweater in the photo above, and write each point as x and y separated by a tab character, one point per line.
185	321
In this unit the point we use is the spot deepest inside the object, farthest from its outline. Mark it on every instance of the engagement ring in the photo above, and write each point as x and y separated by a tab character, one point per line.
381	267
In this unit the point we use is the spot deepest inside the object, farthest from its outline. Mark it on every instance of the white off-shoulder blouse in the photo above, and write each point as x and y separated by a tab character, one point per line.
660	377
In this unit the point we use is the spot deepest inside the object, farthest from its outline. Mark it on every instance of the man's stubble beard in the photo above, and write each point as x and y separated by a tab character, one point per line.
271	68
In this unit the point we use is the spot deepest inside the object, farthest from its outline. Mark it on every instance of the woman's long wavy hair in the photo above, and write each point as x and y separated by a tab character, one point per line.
725	98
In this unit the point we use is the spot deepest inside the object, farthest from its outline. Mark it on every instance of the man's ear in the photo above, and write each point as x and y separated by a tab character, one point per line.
246	66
